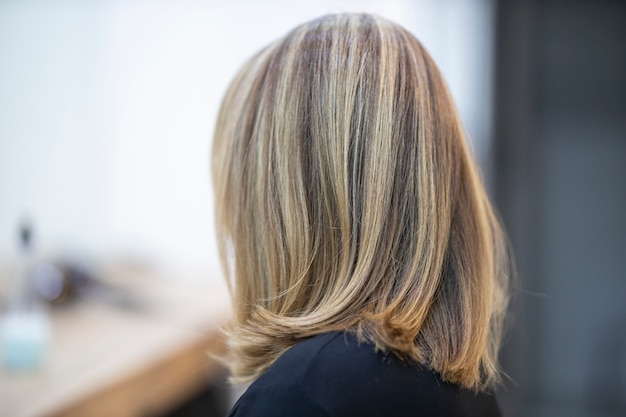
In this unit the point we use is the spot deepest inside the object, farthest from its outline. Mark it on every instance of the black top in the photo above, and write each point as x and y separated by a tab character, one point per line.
332	375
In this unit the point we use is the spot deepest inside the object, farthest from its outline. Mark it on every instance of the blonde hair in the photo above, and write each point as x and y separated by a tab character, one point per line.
347	199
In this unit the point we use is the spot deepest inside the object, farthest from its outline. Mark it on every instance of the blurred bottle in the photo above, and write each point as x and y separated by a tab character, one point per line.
25	328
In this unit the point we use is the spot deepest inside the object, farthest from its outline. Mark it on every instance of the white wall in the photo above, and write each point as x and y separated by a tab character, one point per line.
107	109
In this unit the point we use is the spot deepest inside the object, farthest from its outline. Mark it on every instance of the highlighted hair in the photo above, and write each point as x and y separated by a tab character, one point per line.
347	199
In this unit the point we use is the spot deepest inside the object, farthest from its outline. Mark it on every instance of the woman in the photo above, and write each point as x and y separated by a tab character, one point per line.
367	269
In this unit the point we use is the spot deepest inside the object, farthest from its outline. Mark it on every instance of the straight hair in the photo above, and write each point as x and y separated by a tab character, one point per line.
347	200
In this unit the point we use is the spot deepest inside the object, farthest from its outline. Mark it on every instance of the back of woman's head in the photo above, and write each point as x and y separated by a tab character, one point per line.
347	199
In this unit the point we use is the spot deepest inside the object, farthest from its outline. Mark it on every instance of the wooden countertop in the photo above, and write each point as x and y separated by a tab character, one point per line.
108	361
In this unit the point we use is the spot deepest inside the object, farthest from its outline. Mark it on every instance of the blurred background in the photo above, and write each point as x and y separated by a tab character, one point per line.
106	114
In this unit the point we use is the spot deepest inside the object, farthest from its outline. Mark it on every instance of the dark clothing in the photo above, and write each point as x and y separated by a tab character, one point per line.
332	375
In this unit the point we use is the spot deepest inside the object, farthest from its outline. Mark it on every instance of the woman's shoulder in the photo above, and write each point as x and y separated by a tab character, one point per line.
334	374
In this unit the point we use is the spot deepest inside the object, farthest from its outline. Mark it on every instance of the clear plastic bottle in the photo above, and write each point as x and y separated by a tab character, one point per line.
25	327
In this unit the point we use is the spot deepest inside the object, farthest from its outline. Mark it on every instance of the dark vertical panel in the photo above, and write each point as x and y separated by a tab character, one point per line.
514	179
560	150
